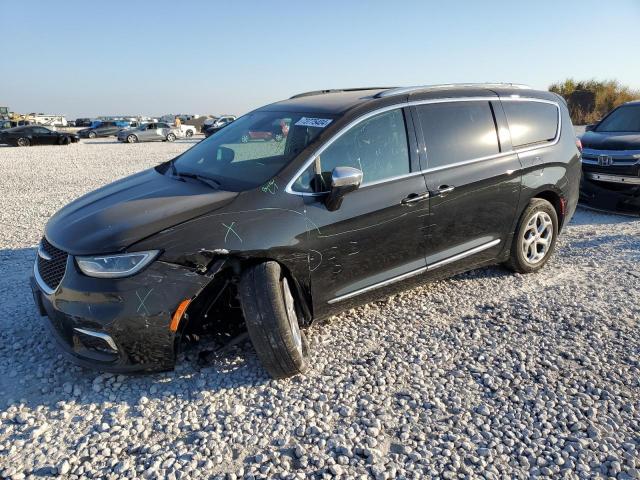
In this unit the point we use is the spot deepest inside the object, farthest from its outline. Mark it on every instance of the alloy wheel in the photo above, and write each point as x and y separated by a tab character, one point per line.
537	237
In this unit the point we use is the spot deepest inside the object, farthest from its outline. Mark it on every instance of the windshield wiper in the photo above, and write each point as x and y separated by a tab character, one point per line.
213	183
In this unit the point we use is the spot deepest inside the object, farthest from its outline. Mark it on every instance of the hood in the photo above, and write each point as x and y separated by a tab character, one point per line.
113	217
611	140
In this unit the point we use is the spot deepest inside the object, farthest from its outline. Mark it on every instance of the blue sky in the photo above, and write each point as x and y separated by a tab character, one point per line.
154	57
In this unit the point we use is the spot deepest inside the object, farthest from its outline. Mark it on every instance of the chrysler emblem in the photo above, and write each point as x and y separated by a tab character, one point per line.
605	160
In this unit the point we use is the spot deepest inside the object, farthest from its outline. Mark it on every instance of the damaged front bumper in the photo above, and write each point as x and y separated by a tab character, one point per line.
120	324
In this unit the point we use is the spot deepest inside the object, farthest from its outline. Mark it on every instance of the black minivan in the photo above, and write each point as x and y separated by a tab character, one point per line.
367	192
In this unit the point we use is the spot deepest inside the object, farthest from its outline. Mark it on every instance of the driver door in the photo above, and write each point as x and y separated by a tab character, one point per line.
377	236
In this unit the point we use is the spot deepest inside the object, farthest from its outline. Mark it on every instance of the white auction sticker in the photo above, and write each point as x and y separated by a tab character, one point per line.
313	122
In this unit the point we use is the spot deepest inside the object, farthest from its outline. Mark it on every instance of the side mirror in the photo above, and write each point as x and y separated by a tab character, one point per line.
344	180
590	128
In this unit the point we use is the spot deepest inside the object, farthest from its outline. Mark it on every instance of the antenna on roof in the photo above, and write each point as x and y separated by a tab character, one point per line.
337	90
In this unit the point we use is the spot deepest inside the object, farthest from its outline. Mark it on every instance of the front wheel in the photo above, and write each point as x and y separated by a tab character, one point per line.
23	142
244	138
171	137
271	318
535	237
92	135
132	139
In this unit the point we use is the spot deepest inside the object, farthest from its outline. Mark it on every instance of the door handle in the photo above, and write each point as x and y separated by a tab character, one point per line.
414	198
444	189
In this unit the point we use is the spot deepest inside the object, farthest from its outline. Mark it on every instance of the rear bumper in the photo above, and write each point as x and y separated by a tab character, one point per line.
118	325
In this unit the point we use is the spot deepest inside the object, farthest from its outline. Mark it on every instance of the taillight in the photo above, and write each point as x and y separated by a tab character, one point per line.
579	144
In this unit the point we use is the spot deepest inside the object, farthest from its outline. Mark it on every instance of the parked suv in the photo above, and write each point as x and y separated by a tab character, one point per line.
370	192
611	161
100	129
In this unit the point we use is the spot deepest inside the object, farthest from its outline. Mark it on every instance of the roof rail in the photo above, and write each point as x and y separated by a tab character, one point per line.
403	90
335	90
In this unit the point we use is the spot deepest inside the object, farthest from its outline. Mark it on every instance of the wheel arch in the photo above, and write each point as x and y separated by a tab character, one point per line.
555	198
225	272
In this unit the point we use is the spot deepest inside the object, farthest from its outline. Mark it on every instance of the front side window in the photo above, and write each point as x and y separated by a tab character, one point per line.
624	119
253	149
458	131
376	146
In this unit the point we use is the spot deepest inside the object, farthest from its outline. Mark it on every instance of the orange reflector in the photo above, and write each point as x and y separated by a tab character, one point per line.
175	320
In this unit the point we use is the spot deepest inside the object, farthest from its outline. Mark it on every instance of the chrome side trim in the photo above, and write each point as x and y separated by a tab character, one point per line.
43	286
464	254
353	123
410	274
418	271
100	335
599	177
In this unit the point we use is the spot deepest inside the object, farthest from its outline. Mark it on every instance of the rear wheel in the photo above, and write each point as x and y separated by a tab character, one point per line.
189	133
92	135
278	137
535	237
244	138
23	142
271	317
171	137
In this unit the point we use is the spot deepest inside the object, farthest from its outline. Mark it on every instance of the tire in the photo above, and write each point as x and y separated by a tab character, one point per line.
23	142
171	137
132	139
535	238
189	134
278	137
272	320
244	138
92	135
66	141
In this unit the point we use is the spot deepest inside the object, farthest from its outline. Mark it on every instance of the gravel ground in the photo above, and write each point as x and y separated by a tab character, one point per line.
487	374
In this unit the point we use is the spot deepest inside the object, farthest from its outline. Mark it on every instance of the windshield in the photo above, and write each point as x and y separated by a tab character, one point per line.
624	119
253	149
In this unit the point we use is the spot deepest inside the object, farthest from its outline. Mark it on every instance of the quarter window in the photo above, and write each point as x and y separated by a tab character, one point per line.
458	131
531	122
376	146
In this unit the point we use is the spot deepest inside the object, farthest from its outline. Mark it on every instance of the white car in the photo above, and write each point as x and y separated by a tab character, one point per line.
187	131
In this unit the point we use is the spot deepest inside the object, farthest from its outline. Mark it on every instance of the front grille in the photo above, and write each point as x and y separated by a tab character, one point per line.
51	270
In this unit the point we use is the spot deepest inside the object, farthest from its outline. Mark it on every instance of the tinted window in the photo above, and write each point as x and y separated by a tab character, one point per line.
531	122
40	130
458	131
377	147
623	119
162	125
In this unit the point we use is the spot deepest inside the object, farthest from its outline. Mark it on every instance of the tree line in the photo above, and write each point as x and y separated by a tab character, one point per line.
590	100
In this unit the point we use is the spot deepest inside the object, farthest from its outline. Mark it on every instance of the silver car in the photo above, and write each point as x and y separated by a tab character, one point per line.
149	132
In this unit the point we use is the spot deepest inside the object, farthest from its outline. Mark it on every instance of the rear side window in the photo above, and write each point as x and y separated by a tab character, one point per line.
376	146
458	131
531	122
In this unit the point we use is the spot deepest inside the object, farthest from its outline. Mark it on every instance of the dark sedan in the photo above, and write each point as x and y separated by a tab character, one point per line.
104	129
35	135
611	161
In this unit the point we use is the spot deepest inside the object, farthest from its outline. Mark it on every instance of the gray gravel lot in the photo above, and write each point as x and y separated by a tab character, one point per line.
488	374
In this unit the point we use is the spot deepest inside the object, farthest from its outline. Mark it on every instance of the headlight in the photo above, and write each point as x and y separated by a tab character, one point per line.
115	266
